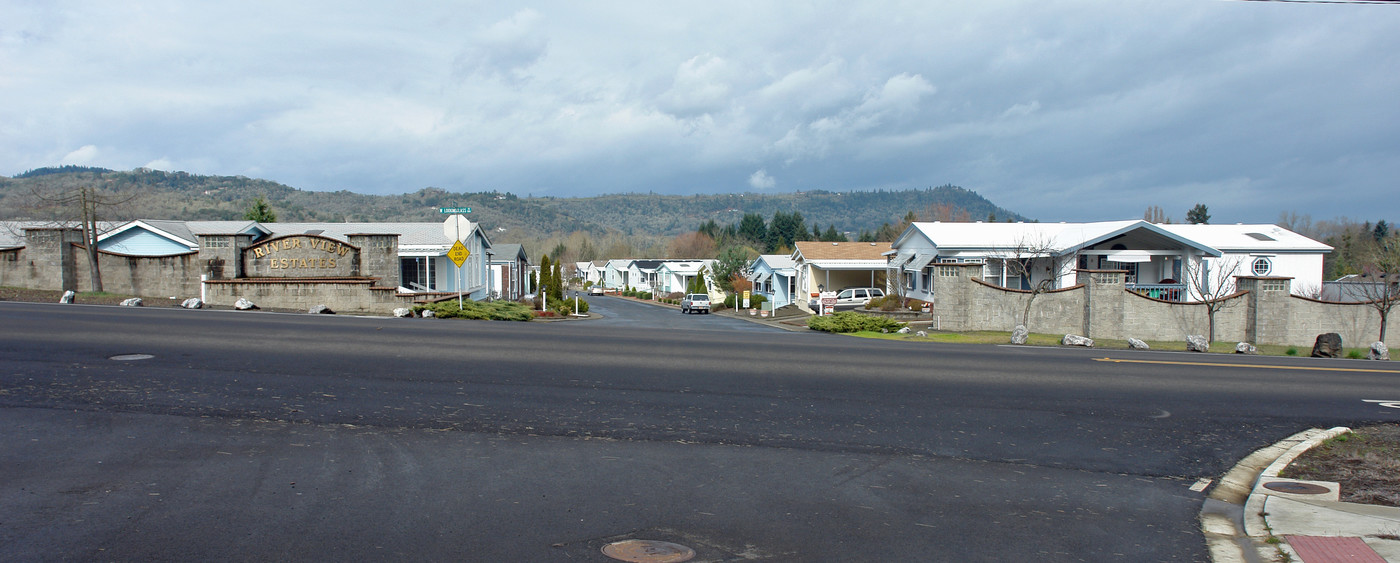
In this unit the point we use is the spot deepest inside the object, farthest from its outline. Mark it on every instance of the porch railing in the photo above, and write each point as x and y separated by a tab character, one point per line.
1163	291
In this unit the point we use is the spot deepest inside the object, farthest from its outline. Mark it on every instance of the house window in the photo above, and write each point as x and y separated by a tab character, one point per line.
926	279
909	281
1272	285
217	242
1262	266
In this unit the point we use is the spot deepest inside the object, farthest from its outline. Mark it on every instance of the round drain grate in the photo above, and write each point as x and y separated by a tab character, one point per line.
648	551
131	357
1296	488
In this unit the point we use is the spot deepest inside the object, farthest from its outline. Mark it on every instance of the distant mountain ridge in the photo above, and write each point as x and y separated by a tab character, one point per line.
184	196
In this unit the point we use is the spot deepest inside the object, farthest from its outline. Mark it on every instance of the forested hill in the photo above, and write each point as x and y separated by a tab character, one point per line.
156	194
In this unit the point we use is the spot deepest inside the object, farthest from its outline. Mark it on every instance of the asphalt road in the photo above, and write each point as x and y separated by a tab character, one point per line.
257	436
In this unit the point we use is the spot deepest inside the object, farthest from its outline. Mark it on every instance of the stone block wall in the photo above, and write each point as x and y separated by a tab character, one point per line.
342	296
48	260
1264	312
150	276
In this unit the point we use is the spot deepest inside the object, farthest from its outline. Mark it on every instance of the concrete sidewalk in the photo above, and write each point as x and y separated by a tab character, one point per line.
1253	515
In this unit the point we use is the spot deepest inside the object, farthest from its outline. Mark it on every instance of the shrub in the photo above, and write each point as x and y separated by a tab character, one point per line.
565	307
886	303
1355	354
491	311
756	301
1292	351
851	321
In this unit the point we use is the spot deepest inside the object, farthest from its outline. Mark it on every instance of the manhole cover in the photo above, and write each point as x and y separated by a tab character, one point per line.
131	357
1296	488
648	551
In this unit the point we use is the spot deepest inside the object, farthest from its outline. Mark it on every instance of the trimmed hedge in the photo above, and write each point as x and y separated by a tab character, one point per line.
851	321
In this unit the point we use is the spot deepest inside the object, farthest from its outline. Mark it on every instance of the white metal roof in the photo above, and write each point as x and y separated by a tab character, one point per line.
1248	238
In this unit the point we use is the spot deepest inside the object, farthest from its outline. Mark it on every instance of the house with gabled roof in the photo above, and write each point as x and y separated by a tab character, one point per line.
1155	257
831	266
510	271
674	276
774	276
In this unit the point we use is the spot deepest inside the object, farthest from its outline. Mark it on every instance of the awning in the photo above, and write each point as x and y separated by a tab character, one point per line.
900	259
920	262
1128	256
763	277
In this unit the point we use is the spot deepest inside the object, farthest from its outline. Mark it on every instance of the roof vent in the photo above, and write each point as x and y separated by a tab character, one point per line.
1260	236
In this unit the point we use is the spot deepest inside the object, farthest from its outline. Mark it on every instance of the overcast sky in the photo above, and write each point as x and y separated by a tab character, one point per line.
1073	111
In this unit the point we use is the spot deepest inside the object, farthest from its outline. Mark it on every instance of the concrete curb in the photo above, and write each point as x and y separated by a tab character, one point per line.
1225	519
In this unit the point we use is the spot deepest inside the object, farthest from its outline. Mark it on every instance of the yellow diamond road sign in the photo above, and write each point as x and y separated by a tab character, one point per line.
459	253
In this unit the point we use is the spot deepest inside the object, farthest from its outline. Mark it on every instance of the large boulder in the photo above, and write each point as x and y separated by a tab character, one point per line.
1246	348
403	312
67	297
903	330
1197	343
1076	340
192	303
1020	334
321	309
428	313
1136	344
921	334
1379	351
132	302
1328	345
243	304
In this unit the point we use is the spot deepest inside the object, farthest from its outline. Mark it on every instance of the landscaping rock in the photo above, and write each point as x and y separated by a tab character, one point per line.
133	302
1020	334
321	309
904	330
921	334
192	303
402	312
1379	351
1328	345
1076	340
1197	343
1136	344
428	314
67	297
243	304
1246	348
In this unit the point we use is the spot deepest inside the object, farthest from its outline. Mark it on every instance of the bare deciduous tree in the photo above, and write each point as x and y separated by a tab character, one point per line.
1380	279
1027	258
1212	284
85	205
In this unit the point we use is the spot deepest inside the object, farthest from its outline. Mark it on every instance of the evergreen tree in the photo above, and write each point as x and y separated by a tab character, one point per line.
751	227
556	282
1198	215
546	286
260	211
1381	231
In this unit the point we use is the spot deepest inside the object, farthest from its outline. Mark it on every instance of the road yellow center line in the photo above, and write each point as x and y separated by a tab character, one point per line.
1307	368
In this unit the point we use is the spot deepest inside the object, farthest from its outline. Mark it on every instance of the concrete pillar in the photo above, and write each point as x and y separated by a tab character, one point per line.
1267	314
54	258
378	257
221	256
1104	293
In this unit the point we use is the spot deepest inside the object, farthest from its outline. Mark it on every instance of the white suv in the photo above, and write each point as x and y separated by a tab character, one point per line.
695	303
851	298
